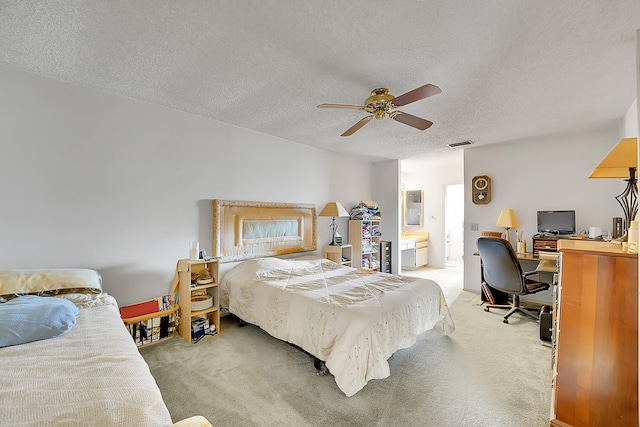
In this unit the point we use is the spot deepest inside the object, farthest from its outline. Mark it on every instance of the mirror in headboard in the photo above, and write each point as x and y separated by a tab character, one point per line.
243	230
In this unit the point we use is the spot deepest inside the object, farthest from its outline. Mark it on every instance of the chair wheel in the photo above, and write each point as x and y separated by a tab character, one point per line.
505	321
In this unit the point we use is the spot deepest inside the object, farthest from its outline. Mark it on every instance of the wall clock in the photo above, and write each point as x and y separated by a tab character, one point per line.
481	189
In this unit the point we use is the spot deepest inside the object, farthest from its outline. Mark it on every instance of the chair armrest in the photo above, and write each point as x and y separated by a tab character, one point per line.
527	277
529	281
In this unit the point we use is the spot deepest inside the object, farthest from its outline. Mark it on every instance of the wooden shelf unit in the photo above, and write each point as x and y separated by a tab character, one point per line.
187	274
545	244
364	236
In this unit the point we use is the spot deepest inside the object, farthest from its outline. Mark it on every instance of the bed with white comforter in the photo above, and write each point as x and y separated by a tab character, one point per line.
66	358
91	376
353	320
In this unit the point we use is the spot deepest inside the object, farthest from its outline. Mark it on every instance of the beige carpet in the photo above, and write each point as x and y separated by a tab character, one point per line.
486	373
450	279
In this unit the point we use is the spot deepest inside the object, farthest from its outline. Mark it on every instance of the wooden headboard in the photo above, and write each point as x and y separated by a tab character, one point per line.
243	230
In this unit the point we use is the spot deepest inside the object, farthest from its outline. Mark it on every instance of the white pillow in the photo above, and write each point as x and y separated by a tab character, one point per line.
15	282
253	268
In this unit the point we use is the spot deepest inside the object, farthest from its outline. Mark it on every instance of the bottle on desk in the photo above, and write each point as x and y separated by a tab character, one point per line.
194	249
521	246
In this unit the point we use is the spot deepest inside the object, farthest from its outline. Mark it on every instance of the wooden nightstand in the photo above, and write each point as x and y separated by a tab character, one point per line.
195	281
341	254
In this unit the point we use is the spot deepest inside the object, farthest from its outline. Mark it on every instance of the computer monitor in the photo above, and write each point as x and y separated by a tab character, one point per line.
557	222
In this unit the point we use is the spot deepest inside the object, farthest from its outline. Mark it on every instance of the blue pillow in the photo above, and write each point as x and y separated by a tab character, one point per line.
31	318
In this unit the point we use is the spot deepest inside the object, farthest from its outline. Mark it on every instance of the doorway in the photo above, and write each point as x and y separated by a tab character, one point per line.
454	225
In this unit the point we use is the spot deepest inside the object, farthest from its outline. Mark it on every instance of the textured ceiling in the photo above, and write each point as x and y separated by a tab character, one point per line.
507	69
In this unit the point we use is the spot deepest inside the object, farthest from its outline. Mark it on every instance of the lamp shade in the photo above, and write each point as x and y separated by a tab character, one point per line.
508	219
617	162
333	209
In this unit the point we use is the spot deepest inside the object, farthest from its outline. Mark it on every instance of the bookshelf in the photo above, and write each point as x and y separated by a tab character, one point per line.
196	283
364	236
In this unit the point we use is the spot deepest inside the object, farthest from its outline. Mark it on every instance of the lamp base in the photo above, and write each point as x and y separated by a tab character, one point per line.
507	237
628	200
333	227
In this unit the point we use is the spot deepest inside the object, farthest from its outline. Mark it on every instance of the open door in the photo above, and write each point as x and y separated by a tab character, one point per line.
454	225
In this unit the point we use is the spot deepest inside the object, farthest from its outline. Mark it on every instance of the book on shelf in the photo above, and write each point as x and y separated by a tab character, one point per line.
141	331
154	328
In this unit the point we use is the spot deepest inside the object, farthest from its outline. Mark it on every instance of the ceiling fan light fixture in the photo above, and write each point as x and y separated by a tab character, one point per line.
380	104
379	97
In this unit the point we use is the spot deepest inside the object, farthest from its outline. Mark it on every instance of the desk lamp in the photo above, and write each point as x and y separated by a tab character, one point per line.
333	209
622	162
507	220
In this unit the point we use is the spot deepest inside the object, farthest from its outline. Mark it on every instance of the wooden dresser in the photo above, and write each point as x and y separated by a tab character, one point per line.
596	361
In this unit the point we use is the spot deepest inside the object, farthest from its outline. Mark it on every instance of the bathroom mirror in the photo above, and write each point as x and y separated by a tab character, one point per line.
412	207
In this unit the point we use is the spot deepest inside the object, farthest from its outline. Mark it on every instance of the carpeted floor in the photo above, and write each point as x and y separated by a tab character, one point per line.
486	373
450	279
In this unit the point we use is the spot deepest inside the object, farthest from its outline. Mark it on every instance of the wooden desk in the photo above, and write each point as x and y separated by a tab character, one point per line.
595	379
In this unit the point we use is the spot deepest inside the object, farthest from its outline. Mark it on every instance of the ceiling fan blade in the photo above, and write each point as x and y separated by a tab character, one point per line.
353	107
357	126
416	95
411	120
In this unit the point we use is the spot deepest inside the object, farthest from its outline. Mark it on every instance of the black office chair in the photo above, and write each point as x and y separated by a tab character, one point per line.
502	271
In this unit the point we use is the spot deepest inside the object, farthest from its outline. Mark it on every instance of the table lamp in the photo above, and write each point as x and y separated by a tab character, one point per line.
622	162
507	220
333	209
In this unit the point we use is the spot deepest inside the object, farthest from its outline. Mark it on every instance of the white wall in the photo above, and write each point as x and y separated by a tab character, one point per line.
540	174
629	127
432	174
99	181
386	192
94	180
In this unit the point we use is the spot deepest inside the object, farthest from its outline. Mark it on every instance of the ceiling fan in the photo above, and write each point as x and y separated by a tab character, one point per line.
381	103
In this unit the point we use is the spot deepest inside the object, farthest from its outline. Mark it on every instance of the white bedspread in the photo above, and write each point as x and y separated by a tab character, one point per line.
353	320
91	376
